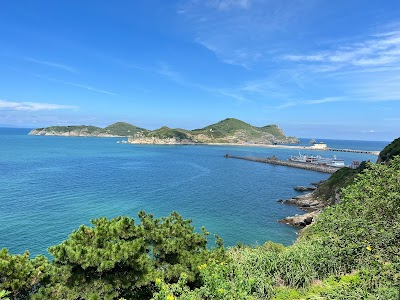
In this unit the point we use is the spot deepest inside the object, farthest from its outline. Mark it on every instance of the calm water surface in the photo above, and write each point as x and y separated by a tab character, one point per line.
51	185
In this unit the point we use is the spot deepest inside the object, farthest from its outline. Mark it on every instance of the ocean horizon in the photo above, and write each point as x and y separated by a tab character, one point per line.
49	186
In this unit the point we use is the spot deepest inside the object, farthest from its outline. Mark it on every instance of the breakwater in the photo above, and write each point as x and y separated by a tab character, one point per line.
354	151
275	161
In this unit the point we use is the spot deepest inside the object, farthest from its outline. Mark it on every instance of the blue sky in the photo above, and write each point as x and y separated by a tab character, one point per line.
316	68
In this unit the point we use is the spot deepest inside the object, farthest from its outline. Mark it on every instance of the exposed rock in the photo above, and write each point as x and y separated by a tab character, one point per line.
307	202
318	183
305	188
300	220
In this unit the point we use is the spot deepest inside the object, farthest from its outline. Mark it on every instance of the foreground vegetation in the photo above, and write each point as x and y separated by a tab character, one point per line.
351	252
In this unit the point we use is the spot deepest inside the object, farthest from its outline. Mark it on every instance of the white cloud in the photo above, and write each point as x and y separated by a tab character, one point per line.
32	106
314	57
368	131
51	64
376	50
230	4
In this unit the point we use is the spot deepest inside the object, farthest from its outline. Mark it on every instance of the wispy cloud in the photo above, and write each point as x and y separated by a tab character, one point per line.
323	100
83	86
32	106
166	71
230	4
375	51
240	32
309	102
51	64
87	87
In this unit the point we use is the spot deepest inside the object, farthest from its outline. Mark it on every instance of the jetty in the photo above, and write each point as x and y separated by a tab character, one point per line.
275	161
354	151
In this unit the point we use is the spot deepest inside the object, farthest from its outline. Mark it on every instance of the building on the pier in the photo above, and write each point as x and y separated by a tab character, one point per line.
319	146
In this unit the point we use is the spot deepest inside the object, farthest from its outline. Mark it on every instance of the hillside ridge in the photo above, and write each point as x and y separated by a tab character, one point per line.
230	130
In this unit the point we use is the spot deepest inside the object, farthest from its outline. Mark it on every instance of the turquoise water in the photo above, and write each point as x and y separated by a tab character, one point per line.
51	185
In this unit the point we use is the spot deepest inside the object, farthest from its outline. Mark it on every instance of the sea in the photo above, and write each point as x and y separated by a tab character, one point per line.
49	186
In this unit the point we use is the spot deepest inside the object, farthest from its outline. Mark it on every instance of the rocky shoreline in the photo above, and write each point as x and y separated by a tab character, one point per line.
307	202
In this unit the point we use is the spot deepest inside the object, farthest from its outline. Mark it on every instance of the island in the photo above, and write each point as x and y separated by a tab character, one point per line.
228	131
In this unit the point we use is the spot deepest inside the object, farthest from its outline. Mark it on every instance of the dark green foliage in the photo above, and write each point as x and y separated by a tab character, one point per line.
19	275
116	258
111	255
389	151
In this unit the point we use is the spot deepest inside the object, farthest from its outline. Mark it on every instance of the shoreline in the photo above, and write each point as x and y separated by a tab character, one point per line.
373	152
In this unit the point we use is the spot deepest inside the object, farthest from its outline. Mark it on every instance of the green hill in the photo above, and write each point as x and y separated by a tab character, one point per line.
68	130
168	133
123	129
87	128
234	130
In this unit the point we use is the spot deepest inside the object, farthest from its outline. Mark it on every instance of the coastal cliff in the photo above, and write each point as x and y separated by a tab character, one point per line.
228	131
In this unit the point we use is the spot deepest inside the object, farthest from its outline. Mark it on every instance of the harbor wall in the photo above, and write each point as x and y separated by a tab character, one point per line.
292	164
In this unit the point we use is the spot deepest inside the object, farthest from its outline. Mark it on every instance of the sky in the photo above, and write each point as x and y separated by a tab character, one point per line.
315	68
